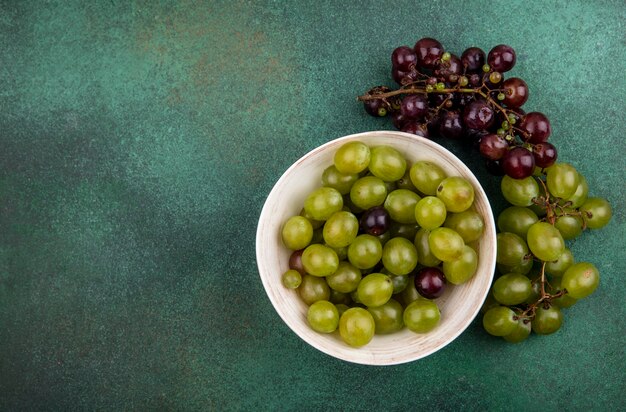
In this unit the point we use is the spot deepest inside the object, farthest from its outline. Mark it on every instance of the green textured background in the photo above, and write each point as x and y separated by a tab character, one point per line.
139	139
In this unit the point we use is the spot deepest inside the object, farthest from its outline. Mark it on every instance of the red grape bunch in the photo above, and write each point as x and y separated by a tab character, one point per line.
468	97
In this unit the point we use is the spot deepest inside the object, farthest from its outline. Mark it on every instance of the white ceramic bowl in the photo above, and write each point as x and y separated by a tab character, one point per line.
459	305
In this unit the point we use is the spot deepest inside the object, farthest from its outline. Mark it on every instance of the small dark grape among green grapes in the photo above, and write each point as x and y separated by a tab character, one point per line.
469	99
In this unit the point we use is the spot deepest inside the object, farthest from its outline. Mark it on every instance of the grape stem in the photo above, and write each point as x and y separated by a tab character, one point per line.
529	312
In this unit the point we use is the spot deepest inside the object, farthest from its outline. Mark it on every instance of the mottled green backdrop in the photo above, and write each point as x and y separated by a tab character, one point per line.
139	139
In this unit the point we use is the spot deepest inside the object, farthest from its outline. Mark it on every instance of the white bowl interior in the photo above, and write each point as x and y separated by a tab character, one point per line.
459	305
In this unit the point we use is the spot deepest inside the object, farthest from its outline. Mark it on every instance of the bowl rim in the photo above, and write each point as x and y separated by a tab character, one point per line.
489	227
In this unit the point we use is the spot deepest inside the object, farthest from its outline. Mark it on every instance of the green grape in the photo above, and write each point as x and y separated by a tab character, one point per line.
517	219
535	293
352	157
355	297
562	180
341	308
388	317
421	316
318	236
424	255
430	212
400	204
410	293
339	297
297	233
512	289
342	182
596	212
499	321
445	244
401	230
469	224
313	289
545	241
291	279
356	327
563	301
511	249
580	195
559	266
405	181
340	229
426	177
365	252
314	223
345	279
323	202
399	256
460	270
581	280
547	321
540	210
569	226
520	333
457	193
399	282
384	238
519	192
319	260
387	163
368	191
375	289
342	252
323	316
523	268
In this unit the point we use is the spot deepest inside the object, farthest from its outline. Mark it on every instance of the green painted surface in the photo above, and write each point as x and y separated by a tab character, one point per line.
138	141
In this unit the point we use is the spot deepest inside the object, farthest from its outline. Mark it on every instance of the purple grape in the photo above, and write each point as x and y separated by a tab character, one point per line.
416	128
451	67
518	163
403	58
478	115
515	92
398	120
493	147
375	107
545	154
537	126
414	106
450	125
473	59
403	77
430	282
501	58
375	221
428	52
295	261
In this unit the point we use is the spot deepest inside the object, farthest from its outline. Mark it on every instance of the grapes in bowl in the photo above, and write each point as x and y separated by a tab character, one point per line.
367	290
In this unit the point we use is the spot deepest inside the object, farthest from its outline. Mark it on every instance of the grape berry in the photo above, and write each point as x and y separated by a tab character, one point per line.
468	98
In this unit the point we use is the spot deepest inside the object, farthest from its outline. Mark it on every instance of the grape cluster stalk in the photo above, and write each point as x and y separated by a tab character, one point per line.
468	98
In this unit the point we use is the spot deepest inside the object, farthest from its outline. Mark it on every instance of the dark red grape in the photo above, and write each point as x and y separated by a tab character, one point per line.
501	58
375	221
518	163
473	59
451	67
515	92
376	107
428	52
493	147
450	125
403	58
537	126
402	77
295	261
545	154
416	128
430	282
478	115
398	120
414	106
494	167
475	80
